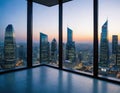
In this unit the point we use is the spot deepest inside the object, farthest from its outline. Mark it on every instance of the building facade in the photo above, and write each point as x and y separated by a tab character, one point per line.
114	44
70	47
104	46
114	48
118	57
54	51
21	52
0	54
44	49
9	48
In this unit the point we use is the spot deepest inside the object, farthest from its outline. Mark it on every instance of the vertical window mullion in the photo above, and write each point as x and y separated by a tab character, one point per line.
29	33
60	34
95	71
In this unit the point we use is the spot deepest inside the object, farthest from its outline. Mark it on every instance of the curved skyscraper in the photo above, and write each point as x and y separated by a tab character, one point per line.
104	46
9	48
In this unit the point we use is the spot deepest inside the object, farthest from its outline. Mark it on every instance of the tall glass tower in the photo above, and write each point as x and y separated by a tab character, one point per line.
70	47
104	46
0	54
9	48
44	48
118	57
54	51
69	35
114	44
21	52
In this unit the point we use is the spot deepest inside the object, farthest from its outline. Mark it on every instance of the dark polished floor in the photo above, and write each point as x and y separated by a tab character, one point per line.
49	80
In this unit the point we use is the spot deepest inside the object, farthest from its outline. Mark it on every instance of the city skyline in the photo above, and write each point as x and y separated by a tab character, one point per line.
78	47
78	20
75	57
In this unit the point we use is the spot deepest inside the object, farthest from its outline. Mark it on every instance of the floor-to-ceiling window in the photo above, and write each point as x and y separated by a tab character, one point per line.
78	35
45	35
109	35
13	29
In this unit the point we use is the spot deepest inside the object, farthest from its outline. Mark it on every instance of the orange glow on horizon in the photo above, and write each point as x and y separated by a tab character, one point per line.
76	39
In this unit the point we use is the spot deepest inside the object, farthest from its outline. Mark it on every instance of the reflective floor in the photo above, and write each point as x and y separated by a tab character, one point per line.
49	80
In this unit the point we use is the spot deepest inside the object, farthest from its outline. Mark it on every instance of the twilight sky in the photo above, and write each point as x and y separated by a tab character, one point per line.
77	14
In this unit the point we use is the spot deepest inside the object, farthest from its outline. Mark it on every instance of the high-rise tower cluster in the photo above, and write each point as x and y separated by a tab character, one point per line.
105	60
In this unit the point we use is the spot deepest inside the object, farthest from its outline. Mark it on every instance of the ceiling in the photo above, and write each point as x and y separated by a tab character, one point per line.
49	3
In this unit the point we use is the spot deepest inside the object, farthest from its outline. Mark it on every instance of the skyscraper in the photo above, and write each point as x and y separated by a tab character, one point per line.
44	48
54	50
9	48
114	44
104	46
0	54
36	54
118	56
21	52
70	47
69	35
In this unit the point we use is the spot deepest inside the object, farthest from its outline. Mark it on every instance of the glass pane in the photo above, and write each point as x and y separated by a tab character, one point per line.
78	35
109	33
45	35
12	34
